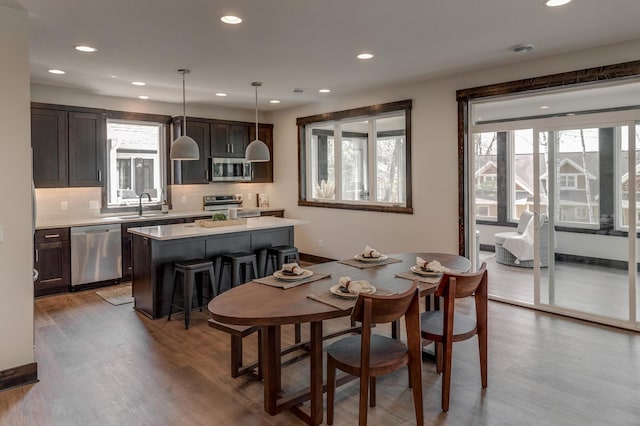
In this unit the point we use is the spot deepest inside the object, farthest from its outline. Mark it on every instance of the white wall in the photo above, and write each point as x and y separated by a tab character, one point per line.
433	226
16	261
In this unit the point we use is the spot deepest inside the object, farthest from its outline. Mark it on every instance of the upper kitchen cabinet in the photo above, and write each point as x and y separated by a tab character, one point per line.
193	171
86	148
49	144
229	140
262	171
68	146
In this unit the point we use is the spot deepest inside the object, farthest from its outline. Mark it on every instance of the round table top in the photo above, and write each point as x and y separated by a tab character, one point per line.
263	305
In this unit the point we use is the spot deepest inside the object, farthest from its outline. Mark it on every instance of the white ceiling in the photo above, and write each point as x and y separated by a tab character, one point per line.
306	44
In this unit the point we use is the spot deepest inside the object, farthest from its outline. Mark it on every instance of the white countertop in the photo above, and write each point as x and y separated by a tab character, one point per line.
190	230
128	217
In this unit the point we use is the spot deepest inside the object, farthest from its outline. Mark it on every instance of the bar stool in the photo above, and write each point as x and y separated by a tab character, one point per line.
238	262
279	255
189	269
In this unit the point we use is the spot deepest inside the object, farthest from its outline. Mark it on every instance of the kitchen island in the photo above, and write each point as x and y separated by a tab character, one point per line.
155	248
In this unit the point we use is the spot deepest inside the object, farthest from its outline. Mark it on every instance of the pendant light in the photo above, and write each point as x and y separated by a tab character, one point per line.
257	150
184	147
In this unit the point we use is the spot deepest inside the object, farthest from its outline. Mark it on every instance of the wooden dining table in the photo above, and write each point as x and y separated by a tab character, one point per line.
256	304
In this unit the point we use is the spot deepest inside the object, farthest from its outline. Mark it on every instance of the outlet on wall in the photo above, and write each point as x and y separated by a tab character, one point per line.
320	243
183	199
94	204
64	205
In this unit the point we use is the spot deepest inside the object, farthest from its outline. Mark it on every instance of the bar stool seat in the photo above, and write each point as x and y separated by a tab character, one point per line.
188	269
238	262
279	255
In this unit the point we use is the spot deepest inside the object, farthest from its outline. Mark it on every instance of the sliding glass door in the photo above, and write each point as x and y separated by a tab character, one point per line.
576	177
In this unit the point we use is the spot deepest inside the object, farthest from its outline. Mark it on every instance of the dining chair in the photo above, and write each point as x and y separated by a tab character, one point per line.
447	326
369	355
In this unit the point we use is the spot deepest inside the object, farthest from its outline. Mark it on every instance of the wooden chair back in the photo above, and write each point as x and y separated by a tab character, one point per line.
383	309
465	284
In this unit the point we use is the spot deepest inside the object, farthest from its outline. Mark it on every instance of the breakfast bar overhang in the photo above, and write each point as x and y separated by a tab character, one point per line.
155	248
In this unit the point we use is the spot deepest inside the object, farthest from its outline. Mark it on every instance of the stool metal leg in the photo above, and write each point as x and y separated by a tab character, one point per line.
188	298
212	283
173	293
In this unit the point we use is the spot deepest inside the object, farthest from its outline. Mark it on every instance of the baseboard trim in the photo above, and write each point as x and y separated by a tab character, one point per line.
312	258
19	376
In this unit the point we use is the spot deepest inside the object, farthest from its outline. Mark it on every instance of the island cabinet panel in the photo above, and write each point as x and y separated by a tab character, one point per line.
152	275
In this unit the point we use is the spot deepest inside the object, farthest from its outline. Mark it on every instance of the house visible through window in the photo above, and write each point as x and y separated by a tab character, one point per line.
134	153
357	159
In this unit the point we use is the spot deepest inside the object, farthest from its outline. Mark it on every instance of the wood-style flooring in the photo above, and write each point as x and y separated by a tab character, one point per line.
100	364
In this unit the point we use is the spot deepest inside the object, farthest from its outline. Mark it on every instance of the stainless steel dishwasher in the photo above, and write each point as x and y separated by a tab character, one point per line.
96	253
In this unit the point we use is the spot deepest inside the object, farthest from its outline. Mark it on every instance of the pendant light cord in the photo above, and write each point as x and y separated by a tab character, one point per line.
257	113
184	107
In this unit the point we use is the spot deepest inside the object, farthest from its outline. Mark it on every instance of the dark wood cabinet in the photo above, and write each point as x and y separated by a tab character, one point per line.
193	171
52	260
224	139
68	147
86	148
229	140
49	142
263	171
275	213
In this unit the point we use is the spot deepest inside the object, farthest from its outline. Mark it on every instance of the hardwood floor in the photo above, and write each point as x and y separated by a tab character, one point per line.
106	365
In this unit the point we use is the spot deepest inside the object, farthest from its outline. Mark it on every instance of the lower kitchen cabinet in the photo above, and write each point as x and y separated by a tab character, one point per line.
275	213
52	260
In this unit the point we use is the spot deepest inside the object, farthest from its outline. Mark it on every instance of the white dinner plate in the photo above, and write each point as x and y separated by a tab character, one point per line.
335	289
418	270
361	258
305	274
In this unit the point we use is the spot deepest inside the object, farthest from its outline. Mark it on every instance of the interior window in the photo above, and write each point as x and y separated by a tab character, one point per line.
135	162
357	159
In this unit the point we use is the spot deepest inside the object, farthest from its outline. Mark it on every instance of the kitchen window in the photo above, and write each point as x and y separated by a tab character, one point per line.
357	159
135	162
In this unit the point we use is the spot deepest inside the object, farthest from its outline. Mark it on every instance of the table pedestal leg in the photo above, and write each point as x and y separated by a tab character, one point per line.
316	379
271	367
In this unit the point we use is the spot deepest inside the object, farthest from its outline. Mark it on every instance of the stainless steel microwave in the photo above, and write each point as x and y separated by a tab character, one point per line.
229	169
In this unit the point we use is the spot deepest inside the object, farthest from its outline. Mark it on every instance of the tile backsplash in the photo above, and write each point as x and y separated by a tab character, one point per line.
79	203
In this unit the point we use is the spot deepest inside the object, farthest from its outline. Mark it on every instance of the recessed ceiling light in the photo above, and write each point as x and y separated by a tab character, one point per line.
221	94
143	97
54	71
231	19
85	48
554	3
544	107
138	83
324	90
365	56
522	48
274	101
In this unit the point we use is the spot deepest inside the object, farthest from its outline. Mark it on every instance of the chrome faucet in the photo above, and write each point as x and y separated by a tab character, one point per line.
140	202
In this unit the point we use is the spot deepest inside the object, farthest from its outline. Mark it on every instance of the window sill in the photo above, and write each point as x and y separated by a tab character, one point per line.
365	207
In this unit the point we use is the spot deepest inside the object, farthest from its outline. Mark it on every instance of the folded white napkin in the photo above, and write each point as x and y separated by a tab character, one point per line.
370	252
434	265
292	269
356	286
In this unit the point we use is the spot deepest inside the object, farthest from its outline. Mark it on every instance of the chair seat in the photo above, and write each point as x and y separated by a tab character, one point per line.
240	256
432	325
386	354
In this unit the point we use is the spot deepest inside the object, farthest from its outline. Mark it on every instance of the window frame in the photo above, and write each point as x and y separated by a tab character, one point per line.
164	162
368	113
